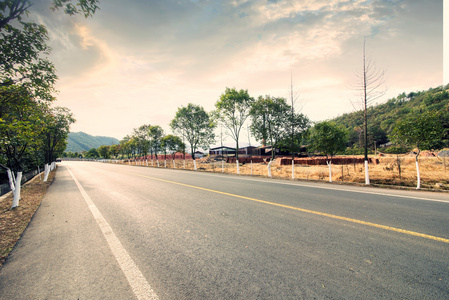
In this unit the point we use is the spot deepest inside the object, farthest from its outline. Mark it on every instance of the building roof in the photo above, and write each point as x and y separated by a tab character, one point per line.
222	147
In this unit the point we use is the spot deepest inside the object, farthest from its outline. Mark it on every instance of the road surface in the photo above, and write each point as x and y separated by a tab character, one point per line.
109	231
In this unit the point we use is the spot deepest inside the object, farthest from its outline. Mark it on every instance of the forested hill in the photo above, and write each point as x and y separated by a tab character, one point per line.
80	141
382	118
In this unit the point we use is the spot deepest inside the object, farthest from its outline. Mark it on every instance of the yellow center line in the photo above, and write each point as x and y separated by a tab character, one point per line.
431	237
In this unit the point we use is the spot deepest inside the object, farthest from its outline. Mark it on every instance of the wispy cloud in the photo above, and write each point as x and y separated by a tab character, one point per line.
138	61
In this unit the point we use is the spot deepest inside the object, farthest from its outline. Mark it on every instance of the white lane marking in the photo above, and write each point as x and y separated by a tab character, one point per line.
137	281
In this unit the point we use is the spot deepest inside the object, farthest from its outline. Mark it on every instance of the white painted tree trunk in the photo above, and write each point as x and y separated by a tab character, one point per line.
39	172
16	193
184	164
366	173
222	166
47	171
418	183
146	160
11	180
293	169
165	163
238	167
157	163
194	164
269	168
174	165
329	163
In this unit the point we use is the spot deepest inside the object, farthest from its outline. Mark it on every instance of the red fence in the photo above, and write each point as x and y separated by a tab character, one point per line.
247	160
315	161
162	156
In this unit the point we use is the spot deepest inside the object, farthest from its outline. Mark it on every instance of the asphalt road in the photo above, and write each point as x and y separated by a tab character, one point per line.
120	232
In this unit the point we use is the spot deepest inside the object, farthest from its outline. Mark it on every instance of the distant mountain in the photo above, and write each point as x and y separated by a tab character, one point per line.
80	141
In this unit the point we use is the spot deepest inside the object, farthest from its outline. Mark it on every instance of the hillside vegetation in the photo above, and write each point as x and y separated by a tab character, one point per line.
382	118
80	141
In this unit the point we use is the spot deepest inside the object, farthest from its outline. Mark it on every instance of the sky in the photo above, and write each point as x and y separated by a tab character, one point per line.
136	62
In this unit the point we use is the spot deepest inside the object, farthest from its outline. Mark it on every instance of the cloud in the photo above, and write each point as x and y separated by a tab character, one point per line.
137	61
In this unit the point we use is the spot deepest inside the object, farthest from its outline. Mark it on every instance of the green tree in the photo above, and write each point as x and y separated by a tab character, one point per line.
171	143
114	150
20	126
92	153
420	130
142	137
125	146
55	133
195	125
23	52
21	123
155	134
329	139
272	120
233	110
15	9
85	7
103	151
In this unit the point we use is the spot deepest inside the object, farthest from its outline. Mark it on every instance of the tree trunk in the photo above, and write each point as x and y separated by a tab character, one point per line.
329	163
11	180
15	201
418	180
47	171
238	169
366	173
269	168
365	123
293	168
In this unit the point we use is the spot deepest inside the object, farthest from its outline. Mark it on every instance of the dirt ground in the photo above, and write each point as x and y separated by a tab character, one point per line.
13	222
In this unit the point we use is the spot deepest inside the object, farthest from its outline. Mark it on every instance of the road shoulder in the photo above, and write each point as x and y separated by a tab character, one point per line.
62	253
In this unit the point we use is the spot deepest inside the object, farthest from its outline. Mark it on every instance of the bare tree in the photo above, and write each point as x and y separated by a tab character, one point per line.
294	96
370	84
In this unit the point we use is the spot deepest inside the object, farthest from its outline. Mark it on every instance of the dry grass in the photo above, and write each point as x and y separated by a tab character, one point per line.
392	170
13	222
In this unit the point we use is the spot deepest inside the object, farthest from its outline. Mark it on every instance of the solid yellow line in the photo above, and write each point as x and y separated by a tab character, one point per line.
431	237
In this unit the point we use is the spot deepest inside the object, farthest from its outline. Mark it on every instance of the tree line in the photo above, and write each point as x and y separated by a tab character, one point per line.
271	121
32	130
275	122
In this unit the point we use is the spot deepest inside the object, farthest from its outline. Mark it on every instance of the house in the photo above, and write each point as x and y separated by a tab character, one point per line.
222	150
249	151
199	154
